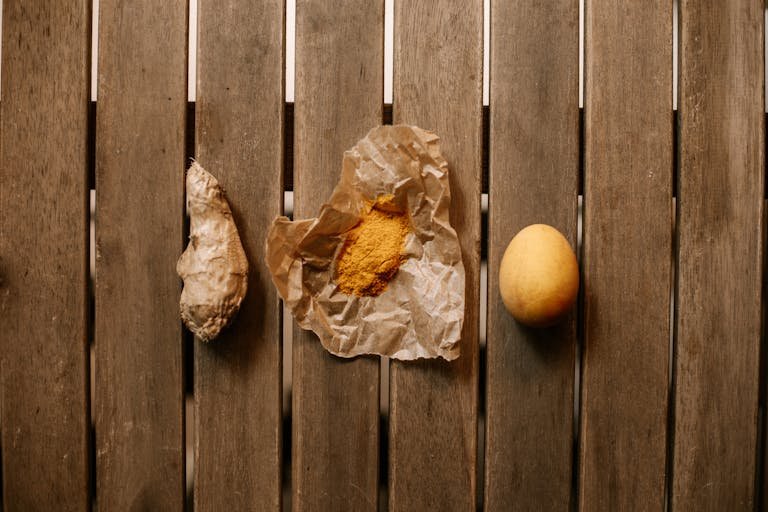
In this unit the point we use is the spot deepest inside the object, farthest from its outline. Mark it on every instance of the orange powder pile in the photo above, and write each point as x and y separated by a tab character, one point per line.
372	252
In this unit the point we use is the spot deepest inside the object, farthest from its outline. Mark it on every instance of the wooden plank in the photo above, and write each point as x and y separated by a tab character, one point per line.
239	133
627	254
534	171
142	93
433	421
339	96
44	255
720	225
2	351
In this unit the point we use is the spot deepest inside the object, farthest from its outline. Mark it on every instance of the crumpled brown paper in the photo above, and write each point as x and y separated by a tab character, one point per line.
420	313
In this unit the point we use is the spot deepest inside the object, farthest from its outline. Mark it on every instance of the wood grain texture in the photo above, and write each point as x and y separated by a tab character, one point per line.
534	171
627	254
433	404
239	133
720	225
339	92
44	255
142	93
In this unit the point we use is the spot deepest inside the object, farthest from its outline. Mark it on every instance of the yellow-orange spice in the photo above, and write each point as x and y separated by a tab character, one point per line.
373	250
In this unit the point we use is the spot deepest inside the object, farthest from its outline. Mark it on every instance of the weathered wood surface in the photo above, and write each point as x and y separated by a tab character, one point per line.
335	401
433	404
239	134
44	255
627	254
720	225
142	93
534	170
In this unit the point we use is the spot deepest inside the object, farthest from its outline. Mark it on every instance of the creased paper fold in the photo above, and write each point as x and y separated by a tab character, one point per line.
420	313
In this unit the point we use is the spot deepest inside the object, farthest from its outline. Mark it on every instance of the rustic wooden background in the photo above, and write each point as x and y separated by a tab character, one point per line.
636	128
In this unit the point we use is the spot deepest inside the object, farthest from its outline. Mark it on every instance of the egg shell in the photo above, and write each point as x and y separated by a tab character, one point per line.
539	276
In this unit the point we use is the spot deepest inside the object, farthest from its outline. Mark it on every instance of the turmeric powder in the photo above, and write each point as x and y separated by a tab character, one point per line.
373	250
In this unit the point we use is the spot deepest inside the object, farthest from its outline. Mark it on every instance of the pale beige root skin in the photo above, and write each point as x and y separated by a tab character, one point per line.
214	267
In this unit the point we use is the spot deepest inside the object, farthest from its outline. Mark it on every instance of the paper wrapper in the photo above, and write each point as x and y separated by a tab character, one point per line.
420	313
